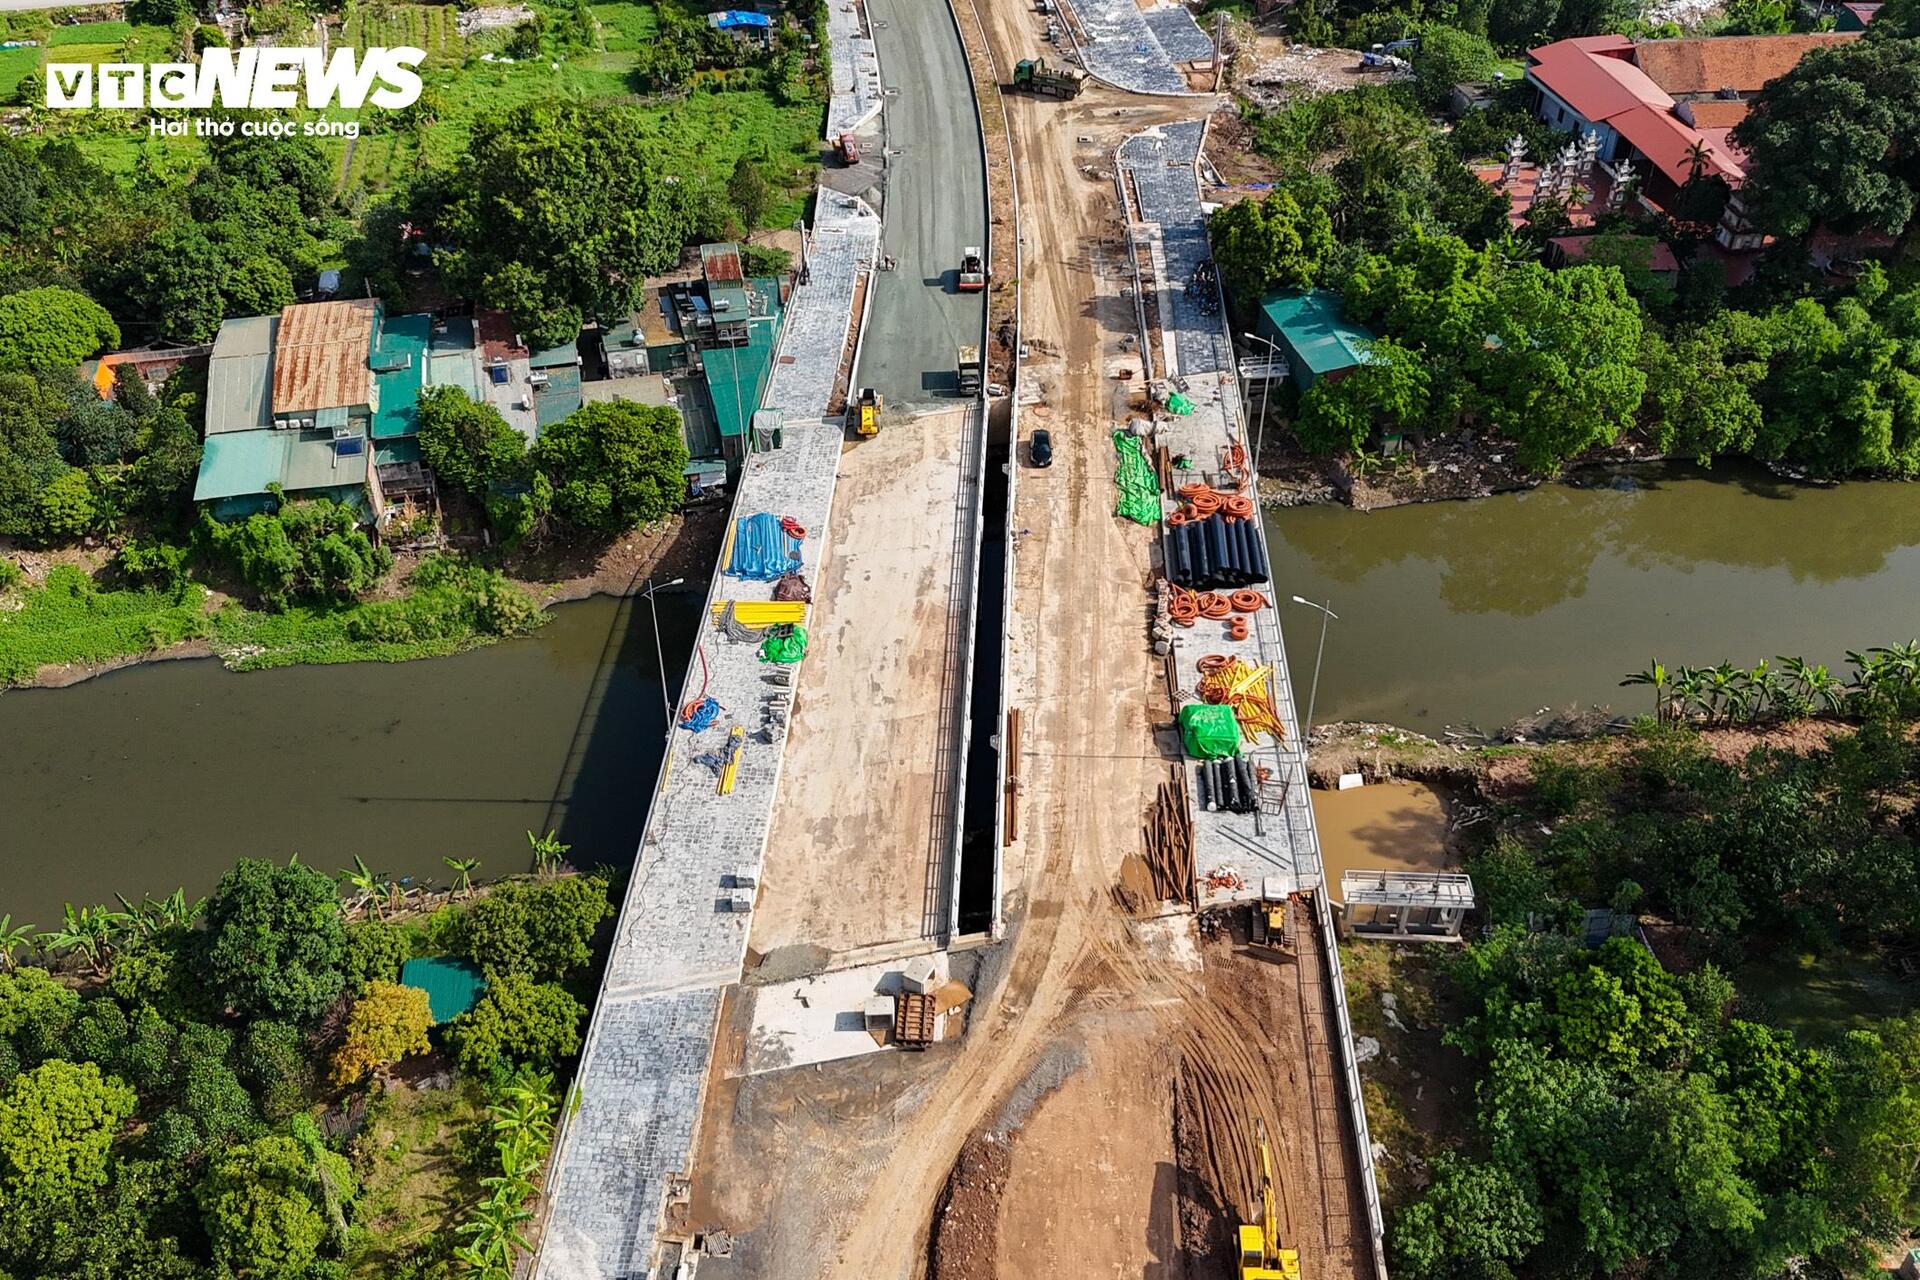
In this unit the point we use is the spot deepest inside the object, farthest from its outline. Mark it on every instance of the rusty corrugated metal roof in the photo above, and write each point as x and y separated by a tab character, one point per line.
320	357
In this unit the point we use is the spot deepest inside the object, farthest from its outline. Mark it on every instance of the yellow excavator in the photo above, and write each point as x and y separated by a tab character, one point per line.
1261	1257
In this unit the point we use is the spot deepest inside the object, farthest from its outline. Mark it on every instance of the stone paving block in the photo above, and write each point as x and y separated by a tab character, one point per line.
633	1132
1179	34
678	942
1122	48
857	93
1161	162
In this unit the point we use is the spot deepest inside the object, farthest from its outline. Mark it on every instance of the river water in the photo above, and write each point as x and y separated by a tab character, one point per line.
1450	613
161	776
1480	612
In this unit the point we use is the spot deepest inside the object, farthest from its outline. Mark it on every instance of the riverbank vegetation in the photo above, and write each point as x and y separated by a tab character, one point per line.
1802	366
548	170
244	1086
1643	1098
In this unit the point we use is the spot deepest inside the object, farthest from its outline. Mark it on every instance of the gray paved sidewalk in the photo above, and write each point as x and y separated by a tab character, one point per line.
857	91
679	938
1124	46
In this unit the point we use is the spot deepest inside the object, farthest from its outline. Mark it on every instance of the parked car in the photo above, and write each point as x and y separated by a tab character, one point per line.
1040	448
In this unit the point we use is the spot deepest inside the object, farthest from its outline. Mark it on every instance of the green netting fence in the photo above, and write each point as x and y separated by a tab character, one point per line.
1139	491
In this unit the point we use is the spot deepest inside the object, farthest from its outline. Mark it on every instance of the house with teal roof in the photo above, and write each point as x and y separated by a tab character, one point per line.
1312	334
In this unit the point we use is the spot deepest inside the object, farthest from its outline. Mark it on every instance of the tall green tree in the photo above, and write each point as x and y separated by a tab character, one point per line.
1836	141
560	215
57	1126
614	466
518	1021
53	328
542	930
1275	242
466	442
276	944
264	1206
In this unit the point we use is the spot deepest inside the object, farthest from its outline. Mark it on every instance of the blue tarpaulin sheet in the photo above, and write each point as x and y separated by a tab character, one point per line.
762	550
728	19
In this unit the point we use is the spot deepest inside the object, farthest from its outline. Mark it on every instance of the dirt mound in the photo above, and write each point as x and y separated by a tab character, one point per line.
964	1243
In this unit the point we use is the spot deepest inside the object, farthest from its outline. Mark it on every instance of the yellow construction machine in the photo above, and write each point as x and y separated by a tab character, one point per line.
1261	1257
1268	918
868	407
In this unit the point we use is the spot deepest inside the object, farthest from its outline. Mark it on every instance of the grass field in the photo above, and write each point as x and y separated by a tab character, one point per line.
416	1174
91	33
15	66
1820	998
704	133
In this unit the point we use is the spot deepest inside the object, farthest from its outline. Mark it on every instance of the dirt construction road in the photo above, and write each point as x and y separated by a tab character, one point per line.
1106	1087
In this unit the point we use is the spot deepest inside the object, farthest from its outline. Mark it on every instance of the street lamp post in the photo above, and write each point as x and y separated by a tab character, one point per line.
1313	694
659	654
1260	431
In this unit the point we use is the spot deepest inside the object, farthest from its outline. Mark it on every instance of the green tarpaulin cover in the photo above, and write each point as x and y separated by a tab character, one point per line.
1139	491
784	644
1209	732
1179	404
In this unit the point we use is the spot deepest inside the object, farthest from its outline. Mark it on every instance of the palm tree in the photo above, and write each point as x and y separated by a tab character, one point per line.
463	869
13	937
1655	674
1697	160
548	853
366	886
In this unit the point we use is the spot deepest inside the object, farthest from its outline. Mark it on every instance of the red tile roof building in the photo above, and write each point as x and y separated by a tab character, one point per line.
1668	104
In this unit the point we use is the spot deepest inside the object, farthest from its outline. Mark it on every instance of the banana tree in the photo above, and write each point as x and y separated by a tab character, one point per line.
463	869
13	937
366	886
548	852
1655	674
1688	685
87	932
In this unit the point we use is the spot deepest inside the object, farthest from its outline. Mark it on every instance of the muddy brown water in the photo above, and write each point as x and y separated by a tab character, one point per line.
1477	613
1388	826
160	776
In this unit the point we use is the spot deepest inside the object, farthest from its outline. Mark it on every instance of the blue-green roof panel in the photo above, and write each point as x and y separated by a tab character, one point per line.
452	986
1316	337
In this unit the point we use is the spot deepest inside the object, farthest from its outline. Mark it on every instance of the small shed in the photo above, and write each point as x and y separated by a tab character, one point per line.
741	22
1313	335
453	986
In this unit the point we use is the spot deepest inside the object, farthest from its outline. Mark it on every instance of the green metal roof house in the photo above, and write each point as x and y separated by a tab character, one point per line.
245	452
1310	331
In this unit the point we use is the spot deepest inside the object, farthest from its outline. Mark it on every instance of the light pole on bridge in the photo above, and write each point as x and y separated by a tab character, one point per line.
1313	694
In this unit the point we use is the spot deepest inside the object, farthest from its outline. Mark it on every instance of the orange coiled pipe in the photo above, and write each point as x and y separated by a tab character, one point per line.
1247	600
